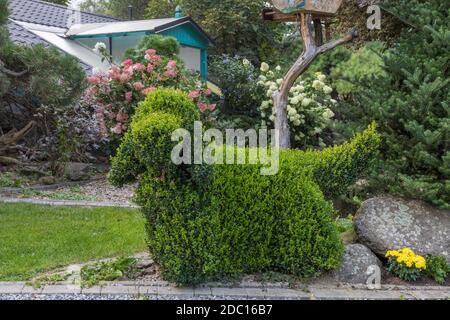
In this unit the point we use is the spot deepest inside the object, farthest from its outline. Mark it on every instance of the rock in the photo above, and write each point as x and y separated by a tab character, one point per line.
355	264
47	180
386	223
76	171
349	237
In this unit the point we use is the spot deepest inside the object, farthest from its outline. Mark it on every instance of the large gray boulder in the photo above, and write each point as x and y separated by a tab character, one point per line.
386	223
356	264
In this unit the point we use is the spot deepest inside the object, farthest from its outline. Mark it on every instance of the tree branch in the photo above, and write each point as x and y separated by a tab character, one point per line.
333	44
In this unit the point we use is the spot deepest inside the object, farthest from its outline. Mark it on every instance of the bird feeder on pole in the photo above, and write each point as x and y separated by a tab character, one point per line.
309	14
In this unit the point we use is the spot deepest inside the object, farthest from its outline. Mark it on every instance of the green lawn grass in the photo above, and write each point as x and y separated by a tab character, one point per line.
35	238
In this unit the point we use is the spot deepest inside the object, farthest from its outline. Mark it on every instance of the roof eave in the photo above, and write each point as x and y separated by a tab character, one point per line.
157	29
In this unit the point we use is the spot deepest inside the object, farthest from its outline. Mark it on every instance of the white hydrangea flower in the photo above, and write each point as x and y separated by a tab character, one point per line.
264	67
306	102
265	104
269	93
328	114
292	112
278	68
279	81
262	78
246	63
260	83
333	101
274	87
321	77
99	46
272	118
295	100
327	89
318	84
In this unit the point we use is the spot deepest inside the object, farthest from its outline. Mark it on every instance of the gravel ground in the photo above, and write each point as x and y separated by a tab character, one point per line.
102	190
98	190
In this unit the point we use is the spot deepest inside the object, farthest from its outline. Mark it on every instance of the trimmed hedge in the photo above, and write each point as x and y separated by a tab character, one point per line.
209	222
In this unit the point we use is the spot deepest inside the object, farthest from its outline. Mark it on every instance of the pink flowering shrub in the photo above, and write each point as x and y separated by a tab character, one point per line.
116	93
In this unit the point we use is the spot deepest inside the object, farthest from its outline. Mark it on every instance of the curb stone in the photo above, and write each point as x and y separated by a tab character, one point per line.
130	290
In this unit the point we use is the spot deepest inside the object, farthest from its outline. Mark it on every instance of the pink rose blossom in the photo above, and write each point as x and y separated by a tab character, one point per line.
127	63
114	73
194	94
138	67
129	96
170	74
117	129
202	106
122	117
138	86
212	106
124	77
172	64
149	68
151	56
94	80
208	92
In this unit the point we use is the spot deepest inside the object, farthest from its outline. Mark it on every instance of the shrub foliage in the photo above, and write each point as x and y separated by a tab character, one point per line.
208	222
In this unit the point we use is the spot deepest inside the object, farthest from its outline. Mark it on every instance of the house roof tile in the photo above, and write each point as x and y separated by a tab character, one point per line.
49	14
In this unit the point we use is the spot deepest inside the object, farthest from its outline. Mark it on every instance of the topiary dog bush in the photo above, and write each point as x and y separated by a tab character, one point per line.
210	222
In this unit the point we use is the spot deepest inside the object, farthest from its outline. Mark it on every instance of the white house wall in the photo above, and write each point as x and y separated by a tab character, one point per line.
191	57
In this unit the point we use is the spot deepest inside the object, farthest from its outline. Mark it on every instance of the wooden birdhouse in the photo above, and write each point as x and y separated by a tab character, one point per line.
317	7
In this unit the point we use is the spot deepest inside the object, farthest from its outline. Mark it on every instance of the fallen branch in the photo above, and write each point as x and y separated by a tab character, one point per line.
13	136
9	161
8	143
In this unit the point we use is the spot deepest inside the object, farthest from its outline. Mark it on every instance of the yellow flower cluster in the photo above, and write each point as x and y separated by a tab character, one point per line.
408	258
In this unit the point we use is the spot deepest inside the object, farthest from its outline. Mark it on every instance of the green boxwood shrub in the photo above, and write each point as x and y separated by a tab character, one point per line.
210	222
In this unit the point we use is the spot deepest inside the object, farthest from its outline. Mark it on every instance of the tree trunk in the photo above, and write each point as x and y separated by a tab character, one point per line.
312	48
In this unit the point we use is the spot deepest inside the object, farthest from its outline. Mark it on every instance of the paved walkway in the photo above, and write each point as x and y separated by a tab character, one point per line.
161	290
68	203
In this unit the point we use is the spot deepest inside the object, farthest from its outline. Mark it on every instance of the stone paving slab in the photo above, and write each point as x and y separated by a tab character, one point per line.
11	287
134	289
277	293
54	289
